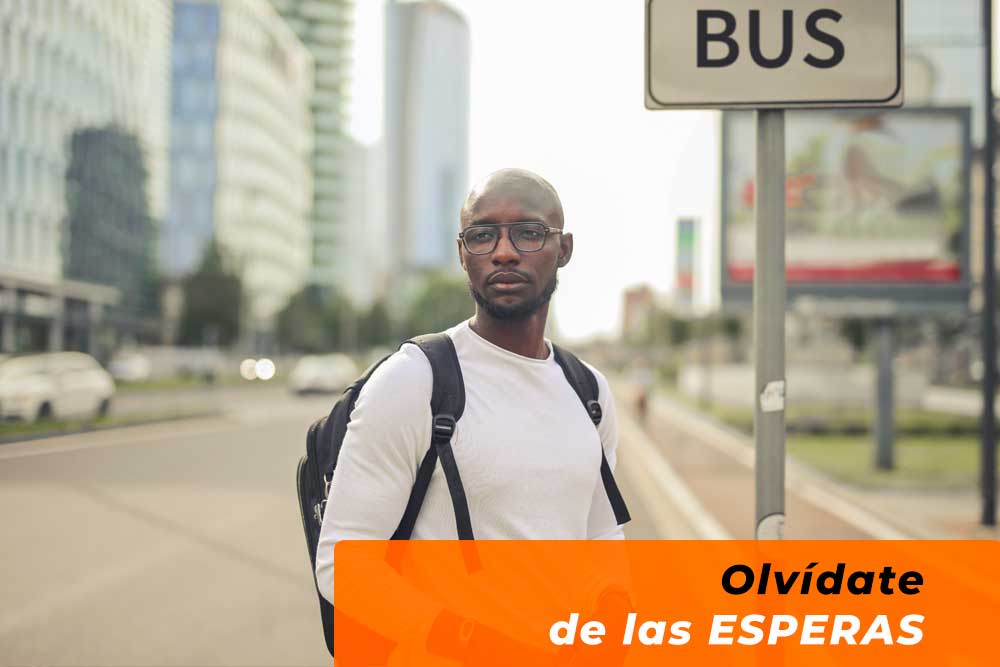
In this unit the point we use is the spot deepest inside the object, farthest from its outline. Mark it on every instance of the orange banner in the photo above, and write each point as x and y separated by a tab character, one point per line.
666	602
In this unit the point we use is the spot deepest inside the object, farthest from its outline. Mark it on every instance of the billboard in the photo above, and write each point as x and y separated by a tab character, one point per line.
877	206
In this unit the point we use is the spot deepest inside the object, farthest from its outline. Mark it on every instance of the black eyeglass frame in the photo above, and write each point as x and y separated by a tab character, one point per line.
548	230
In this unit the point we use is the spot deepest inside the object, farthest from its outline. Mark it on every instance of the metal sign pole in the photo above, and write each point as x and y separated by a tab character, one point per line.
884	417
769	325
988	453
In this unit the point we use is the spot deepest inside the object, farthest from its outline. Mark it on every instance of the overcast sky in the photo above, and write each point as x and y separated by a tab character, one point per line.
557	88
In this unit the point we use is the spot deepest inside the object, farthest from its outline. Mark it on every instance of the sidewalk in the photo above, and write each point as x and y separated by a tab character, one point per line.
713	464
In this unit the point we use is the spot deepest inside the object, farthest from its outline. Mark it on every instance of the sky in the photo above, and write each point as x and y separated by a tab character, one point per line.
557	88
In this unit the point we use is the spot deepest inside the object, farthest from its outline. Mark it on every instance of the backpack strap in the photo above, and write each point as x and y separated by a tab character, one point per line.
585	385
447	406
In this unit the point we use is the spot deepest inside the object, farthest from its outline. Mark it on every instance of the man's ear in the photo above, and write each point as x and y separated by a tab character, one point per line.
461	255
565	249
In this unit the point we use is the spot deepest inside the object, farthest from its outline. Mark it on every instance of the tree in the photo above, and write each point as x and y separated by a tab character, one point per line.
664	327
732	329
855	332
212	300
374	326
313	319
678	330
442	301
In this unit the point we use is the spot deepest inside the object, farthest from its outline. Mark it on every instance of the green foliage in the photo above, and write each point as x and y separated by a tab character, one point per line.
315	321
318	321
678	330
732	327
856	333
374	326
441	301
212	300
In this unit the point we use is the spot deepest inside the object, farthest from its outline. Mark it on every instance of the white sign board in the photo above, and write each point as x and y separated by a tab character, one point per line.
777	54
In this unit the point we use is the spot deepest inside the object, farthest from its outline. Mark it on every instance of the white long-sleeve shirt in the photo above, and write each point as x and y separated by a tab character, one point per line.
527	452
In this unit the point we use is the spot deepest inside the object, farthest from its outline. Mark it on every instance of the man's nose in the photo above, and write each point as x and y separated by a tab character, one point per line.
505	252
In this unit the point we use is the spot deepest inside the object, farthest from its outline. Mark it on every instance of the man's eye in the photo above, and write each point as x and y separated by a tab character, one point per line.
530	234
482	237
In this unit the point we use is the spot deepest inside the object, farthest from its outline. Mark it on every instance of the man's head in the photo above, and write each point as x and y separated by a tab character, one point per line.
514	279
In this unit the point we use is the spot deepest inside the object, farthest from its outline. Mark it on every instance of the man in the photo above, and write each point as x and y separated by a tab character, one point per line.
528	454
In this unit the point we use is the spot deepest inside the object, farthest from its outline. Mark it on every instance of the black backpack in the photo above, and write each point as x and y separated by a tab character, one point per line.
325	436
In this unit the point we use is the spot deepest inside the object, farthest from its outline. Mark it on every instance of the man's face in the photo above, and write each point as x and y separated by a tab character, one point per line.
508	283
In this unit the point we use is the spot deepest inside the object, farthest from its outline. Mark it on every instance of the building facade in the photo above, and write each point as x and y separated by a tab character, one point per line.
324	26
69	67
426	133
240	156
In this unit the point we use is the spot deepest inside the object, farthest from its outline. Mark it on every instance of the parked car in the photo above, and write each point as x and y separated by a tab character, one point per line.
130	367
327	373
54	385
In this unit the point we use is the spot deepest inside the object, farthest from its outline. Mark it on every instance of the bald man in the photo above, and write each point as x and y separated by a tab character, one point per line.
528	455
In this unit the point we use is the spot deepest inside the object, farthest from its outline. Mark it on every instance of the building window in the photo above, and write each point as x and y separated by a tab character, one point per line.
15	237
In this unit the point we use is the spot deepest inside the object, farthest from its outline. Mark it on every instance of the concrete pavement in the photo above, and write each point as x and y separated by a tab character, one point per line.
716	462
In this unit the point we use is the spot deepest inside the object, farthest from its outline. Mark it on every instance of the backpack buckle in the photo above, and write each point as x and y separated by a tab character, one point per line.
443	427
318	510
327	480
595	412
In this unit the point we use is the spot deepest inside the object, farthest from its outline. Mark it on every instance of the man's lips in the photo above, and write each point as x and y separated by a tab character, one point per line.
507	278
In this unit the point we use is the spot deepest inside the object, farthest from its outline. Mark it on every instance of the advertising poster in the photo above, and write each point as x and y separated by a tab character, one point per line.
876	202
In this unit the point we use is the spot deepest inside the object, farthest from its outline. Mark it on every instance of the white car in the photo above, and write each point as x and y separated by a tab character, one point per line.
130	367
56	385
327	373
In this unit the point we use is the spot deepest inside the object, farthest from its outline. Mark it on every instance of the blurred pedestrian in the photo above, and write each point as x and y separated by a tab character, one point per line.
642	380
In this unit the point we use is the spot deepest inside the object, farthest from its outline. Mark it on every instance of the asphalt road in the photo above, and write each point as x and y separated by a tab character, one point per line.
168	544
193	400
175	543
180	543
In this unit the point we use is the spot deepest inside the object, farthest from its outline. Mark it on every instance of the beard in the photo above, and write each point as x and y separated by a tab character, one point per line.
517	311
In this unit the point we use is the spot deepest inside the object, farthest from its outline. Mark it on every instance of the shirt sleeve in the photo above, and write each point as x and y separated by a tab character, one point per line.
386	439
601	522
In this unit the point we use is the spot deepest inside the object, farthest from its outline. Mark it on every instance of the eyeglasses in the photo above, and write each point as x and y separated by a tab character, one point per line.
526	237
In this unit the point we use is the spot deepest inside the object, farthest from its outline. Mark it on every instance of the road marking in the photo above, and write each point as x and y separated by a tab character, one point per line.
798	479
669	482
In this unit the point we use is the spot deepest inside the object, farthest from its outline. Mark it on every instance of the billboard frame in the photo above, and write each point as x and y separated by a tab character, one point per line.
881	299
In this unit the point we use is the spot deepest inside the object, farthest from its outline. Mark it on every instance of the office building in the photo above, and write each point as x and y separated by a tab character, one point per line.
426	133
73	70
240	151
324	27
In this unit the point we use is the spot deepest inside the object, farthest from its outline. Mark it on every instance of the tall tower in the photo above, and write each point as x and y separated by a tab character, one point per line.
324	27
426	132
240	154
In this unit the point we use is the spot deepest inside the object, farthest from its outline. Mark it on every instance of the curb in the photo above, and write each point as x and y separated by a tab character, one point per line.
668	482
92	428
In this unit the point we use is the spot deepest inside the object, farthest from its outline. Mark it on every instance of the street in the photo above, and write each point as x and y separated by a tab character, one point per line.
180	543
177	543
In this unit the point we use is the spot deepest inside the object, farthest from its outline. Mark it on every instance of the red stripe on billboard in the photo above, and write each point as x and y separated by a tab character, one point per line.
917	271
